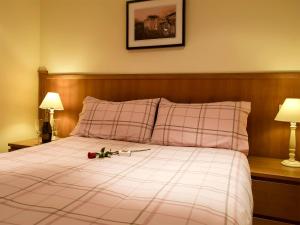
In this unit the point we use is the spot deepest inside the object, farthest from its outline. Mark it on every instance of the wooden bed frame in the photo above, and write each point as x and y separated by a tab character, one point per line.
264	90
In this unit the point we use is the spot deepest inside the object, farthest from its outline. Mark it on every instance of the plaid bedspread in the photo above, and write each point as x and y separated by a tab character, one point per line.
57	184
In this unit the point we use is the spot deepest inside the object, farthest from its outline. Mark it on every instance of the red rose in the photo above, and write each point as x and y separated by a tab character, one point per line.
92	155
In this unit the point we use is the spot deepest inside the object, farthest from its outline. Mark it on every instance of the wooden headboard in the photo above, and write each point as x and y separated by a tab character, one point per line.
264	90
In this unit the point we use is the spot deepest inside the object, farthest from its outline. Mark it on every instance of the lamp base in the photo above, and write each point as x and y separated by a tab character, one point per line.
290	163
54	138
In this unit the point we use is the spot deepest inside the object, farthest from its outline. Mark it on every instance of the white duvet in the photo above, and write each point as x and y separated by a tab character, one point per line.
56	184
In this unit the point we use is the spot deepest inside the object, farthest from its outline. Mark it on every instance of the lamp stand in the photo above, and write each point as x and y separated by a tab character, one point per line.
292	162
52	125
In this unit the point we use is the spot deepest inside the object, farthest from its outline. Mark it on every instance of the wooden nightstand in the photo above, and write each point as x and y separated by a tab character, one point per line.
276	190
23	144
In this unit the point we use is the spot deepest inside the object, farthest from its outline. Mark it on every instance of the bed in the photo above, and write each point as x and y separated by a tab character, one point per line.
56	183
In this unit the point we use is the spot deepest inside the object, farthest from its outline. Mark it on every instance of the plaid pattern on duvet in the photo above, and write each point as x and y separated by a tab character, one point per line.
55	184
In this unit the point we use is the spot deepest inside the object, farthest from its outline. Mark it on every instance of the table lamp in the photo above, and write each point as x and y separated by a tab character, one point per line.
52	102
290	112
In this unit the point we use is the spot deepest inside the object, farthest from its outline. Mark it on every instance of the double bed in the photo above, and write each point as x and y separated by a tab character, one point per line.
56	184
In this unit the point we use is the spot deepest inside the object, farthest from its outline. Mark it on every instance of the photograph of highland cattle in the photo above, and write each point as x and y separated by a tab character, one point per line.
158	23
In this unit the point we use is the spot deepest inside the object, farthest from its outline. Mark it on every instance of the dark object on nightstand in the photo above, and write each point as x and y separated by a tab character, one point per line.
46	132
276	190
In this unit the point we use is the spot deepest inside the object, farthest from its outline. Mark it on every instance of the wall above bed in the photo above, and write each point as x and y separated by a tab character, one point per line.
221	36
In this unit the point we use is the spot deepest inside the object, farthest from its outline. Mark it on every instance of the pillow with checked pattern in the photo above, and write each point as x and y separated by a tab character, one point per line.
212	125
126	121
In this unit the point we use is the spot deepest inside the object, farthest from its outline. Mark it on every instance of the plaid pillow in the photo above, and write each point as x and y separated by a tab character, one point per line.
213	125
127	121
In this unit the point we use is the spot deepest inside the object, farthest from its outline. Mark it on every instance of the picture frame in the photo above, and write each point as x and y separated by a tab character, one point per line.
155	24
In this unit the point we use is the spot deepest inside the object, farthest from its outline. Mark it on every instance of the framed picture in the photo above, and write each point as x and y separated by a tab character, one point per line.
155	24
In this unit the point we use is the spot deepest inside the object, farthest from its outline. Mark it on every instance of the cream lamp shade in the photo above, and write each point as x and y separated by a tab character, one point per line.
52	101
289	111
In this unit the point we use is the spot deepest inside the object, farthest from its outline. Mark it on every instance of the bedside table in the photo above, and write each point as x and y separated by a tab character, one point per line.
276	190
23	144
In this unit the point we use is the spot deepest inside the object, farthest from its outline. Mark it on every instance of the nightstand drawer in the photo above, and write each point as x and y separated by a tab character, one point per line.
277	200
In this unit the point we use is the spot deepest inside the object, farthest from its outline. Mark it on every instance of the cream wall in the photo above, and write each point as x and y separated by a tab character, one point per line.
222	36
19	60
